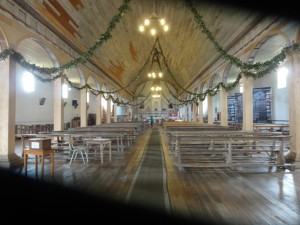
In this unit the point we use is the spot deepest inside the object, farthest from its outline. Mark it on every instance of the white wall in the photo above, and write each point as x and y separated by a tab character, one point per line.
28	108
29	111
69	111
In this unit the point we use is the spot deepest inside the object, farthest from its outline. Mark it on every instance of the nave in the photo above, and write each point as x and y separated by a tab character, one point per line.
255	195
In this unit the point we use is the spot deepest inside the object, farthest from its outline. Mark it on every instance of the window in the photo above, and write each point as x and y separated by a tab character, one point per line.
205	103
241	88
65	91
281	77
28	82
88	97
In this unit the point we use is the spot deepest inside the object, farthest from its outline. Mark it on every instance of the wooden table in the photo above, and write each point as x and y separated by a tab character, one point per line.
42	154
103	142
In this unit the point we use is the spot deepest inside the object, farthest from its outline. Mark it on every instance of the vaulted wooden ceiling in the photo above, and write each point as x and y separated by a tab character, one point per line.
187	50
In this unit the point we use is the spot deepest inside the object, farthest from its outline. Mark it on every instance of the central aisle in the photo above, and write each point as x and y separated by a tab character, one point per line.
149	184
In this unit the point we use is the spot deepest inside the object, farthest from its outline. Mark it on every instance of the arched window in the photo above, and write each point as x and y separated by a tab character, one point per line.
28	82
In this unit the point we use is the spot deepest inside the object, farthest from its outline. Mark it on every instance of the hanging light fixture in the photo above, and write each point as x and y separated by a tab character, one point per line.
155	70
156	88
154	25
156	96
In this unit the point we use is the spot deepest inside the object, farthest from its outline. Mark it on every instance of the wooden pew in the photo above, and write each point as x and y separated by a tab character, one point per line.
169	130
267	127
228	149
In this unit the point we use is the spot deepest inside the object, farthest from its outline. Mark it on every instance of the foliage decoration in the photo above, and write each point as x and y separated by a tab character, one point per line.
254	70
81	59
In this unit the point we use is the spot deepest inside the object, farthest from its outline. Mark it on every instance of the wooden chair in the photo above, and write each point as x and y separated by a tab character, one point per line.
75	149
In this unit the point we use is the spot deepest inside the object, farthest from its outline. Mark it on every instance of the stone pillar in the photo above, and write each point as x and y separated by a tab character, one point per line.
294	102
210	119
200	108
247	103
223	107
8	157
83	107
195	107
127	114
185	109
108	112
115	113
58	105
99	110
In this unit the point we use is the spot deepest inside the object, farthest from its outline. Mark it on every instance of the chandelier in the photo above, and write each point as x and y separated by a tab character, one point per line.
156	96
155	69
154	24
155	74
156	88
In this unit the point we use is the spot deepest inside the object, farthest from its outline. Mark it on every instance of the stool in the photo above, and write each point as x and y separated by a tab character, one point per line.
42	154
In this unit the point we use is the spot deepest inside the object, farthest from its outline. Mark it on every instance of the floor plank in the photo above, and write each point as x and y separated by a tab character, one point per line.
225	196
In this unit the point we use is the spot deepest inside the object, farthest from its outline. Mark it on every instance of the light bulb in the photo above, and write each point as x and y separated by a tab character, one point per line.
160	74
162	21
147	22
153	31
166	28
142	28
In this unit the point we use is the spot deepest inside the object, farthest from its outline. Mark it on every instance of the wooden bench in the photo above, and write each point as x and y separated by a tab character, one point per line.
265	127
215	149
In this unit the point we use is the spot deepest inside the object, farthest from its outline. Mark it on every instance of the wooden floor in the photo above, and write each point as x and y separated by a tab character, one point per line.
225	196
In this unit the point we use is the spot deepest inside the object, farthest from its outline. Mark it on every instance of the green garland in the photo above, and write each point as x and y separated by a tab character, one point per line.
256	70
81	59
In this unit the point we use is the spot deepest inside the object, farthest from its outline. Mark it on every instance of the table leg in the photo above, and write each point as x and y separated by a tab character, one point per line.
101	152
52	164
109	144
43	159
118	144
22	144
36	165
25	164
122	146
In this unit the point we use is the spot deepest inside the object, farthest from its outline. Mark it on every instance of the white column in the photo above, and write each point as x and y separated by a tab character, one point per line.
247	103
58	105
200	108
115	113
210	119
223	107
99	110
195	111
8	157
294	103
83	108
108	112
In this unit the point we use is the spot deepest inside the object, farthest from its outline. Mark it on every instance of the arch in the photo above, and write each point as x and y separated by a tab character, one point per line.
276	107
44	90
214	80
274	38
93	82
3	41
203	87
